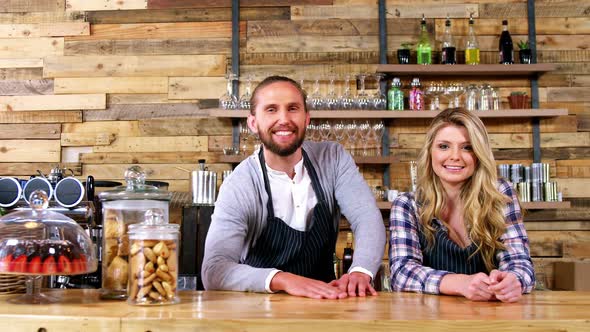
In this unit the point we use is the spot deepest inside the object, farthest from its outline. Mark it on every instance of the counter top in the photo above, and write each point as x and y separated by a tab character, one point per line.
82	310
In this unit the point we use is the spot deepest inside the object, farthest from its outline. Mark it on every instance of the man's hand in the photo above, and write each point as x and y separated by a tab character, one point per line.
355	283
505	286
305	287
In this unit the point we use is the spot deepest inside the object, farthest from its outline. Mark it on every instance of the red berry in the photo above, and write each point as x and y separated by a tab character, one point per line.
49	266
5	263
64	265
19	264
35	265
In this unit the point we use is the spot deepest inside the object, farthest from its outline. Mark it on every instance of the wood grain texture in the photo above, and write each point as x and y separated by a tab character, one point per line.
143	98
29	47
119	128
575	8
164	65
86	5
150	47
196	87
333	27
86	139
26	87
181	30
148	157
44	30
574	94
156	144
30	150
160	4
185	127
21	73
145	111
41	117
54	102
171	171
574	187
186	15
21	63
12	169
573	168
25	131
15	6
24	17
395	11
111	85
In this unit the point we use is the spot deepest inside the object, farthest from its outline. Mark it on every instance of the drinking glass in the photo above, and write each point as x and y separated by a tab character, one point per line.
454	91
228	101
435	89
315	101
331	98
361	100
244	102
339	131
346	99
377	130
379	101
471	99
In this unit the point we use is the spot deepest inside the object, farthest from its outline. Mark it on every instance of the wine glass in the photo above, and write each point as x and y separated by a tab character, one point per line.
346	99
364	130
331	98
315	101
228	100
435	89
361	101
339	130
454	91
244	102
378	101
377	131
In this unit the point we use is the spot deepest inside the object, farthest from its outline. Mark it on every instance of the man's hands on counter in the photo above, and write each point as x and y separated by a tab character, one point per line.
353	284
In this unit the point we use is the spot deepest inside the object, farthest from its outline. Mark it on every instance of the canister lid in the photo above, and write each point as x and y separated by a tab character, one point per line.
135	189
154	224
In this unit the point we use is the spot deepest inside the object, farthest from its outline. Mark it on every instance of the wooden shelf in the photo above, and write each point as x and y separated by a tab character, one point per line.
466	70
366	114
524	205
375	160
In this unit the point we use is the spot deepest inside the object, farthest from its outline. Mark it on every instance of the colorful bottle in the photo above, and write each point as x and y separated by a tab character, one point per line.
347	254
416	96
395	96
505	46
471	45
424	47
449	51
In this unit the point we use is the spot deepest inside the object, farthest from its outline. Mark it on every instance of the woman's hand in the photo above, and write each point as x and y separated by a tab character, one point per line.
505	286
477	288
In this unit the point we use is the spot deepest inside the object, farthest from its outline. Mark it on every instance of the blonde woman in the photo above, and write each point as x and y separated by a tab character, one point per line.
461	233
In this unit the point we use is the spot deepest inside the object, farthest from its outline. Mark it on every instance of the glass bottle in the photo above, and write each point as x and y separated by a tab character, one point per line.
416	96
471	45
347	254
505	45
449	51
395	96
424	47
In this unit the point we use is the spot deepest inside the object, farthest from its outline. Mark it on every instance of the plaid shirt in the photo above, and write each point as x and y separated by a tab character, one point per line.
405	253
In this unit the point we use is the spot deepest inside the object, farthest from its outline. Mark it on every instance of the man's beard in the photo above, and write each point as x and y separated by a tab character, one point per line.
266	139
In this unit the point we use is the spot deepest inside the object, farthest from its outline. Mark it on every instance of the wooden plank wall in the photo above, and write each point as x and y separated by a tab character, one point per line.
100	85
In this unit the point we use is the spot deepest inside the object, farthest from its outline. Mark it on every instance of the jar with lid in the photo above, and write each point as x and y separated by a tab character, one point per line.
121	207
153	261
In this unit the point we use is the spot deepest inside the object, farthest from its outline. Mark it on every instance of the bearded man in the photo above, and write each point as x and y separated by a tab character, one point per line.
275	224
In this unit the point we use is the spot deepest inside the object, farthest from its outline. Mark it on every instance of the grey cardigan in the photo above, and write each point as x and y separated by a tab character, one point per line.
240	216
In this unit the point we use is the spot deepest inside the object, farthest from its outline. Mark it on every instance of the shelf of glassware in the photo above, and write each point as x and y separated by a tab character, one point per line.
524	205
373	160
366	114
467	70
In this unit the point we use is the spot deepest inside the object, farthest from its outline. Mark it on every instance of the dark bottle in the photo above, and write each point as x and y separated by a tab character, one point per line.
505	46
449	50
347	254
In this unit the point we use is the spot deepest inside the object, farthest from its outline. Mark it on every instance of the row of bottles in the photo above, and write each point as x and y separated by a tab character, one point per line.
449	48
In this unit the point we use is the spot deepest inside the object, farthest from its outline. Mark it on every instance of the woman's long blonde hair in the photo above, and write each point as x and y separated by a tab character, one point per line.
482	202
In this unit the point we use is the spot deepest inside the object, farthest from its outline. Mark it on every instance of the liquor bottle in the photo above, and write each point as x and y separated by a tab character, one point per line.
449	51
416	96
505	46
471	45
347	254
395	96
424	47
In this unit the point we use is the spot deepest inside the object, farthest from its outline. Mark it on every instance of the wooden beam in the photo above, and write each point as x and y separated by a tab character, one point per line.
54	102
371	12
145	111
148	157
26	87
86	5
138	47
185	127
28	17
125	66
12	169
87	139
153	171
41	117
16	6
196	87
27	131
111	85
14	74
161	4
119	128
44	30
156	144
30	150
24	48
21	63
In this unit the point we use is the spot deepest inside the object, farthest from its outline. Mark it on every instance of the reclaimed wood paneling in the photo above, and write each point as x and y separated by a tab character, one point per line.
185	127
574	8
548	56
15	6
44	30
41	17
196	87
161	4
150	47
54	102
86	5
557	226
120	128
186	15
111	85
164	65
148	157
574	187
145	111
518	26
30	150
155	144
309	58
41	117
87	139
29	47
182	30
573	168
21	63
12	169
153	171
334	27
26	87
142	98
574	94
558	243
27	131
400	11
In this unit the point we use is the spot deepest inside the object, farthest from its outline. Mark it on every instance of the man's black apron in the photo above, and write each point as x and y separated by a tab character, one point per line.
446	255
305	253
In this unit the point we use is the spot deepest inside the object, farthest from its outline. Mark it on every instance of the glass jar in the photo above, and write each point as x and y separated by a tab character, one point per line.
153	262
123	206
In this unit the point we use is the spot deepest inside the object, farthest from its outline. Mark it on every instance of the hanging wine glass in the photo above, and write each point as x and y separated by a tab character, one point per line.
364	130
377	130
244	102
339	130
331	99
361	101
315	101
378	100
228	101
346	100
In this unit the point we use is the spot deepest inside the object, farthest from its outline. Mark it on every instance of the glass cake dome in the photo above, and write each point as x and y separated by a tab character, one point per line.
38	242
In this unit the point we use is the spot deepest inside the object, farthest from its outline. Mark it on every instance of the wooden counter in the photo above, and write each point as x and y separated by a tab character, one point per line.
81	310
